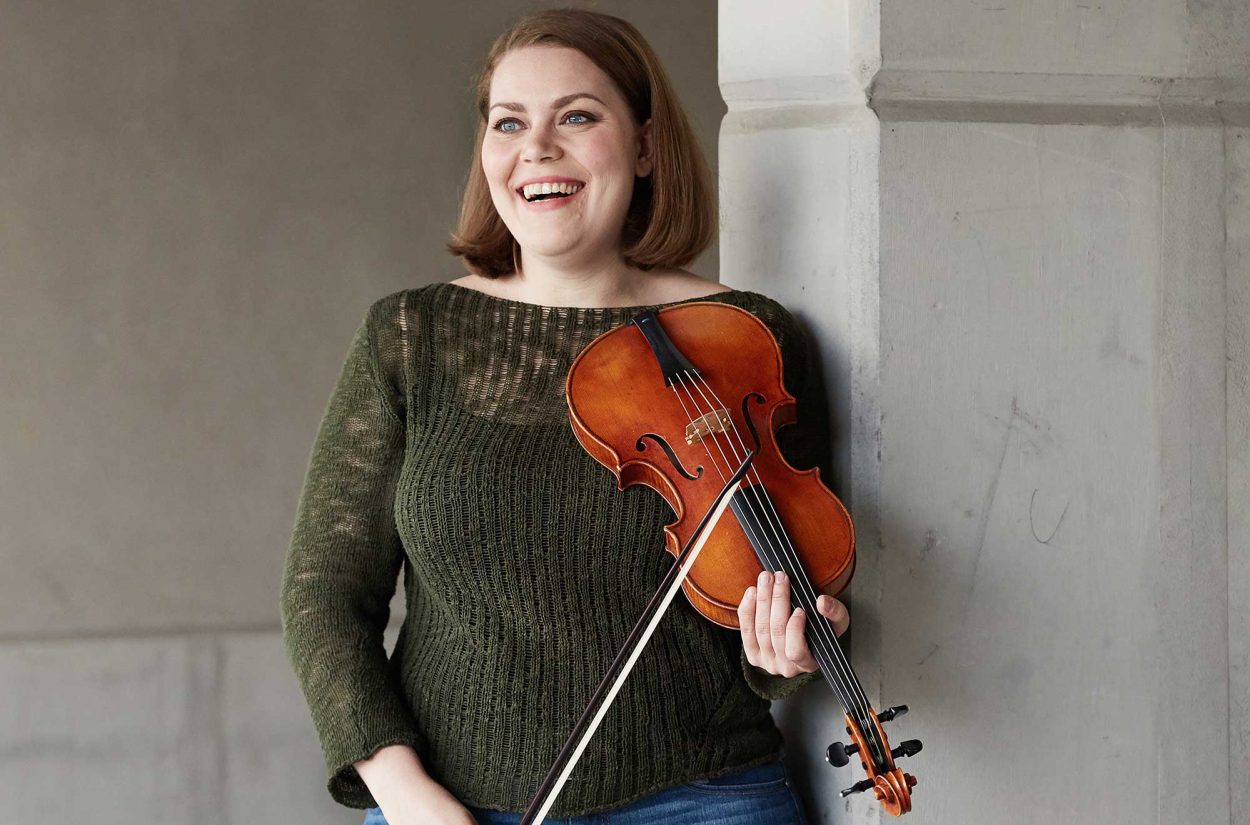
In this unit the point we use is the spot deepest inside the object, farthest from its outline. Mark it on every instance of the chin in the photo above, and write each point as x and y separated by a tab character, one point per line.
546	245
546	250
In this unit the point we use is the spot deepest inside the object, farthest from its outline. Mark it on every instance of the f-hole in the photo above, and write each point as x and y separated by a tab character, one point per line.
672	456
746	415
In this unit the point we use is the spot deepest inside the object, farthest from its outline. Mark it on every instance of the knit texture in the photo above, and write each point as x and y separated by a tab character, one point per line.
445	449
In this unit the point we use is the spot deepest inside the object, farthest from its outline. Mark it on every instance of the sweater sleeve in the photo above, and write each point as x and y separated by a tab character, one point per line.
340	574
804	444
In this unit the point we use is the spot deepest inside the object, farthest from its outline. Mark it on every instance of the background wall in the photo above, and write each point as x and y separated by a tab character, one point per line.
198	201
1019	231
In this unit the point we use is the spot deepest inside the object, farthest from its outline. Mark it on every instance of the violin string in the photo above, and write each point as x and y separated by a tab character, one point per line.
845	695
774	517
804	591
754	491
753	529
778	526
774	520
750	529
803	586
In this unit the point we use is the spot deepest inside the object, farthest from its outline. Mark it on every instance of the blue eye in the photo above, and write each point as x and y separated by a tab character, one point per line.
499	124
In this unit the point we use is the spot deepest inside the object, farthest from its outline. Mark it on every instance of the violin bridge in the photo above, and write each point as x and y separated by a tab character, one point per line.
717	421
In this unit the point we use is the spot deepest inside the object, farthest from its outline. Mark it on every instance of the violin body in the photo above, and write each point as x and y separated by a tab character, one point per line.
620	404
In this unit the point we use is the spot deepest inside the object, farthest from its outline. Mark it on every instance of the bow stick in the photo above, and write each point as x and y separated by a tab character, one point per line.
620	668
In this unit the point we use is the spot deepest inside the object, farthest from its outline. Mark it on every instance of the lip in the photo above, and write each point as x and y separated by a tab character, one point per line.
548	205
548	179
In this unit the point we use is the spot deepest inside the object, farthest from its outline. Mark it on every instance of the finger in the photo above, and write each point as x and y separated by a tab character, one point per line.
778	618
835	612
796	643
746	624
763	611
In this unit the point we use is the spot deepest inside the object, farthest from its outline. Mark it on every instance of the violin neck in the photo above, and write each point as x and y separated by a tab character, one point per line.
762	524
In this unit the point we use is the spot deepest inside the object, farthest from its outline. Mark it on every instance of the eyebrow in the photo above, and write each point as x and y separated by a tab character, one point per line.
517	107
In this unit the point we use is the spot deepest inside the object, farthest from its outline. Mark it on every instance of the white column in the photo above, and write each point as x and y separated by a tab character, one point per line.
1029	284
799	154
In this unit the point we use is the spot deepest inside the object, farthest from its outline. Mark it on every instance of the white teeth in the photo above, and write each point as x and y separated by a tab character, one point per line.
533	189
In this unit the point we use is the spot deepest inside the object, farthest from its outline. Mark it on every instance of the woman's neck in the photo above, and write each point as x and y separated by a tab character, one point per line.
611	284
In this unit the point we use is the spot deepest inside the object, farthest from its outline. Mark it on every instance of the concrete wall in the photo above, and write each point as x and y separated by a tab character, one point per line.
1019	231
199	201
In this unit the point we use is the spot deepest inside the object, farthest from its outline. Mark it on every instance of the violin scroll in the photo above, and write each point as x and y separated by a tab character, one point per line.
891	786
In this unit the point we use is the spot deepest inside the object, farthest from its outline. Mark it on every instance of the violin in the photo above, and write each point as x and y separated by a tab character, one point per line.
686	400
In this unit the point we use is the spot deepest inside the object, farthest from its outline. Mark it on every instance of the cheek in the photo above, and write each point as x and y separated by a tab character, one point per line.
494	166
609	158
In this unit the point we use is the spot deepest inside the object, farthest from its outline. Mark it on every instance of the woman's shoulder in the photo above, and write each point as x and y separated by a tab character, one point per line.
683	285
396	301
688	286
671	285
403	309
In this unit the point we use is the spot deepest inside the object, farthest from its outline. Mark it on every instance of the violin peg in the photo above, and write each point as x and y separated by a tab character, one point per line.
859	787
910	747
890	714
839	754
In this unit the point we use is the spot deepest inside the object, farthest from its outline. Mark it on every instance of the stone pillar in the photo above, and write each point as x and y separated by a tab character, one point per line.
1018	234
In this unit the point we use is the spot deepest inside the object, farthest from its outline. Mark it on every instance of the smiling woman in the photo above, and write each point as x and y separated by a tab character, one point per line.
601	113
446	450
598	151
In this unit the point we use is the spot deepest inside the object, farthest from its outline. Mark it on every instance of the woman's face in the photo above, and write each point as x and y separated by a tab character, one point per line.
554	115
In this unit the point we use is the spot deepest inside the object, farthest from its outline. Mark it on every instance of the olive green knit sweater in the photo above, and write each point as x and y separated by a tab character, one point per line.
446	449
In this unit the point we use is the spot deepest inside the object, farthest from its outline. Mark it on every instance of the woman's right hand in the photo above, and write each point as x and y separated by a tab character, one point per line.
436	806
407	794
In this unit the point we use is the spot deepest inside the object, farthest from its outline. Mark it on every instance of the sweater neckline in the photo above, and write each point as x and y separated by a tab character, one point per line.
487	298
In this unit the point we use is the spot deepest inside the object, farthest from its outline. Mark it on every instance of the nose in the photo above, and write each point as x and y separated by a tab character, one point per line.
540	144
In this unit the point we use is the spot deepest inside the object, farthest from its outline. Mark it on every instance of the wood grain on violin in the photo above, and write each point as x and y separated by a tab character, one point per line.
681	430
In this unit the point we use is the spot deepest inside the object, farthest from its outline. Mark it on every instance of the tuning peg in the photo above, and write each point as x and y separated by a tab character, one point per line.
910	747
890	714
839	755
859	787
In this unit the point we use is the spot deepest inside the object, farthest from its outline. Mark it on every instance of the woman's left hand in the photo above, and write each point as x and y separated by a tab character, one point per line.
772	635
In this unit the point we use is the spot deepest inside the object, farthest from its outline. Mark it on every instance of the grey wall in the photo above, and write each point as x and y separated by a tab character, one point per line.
1019	231
198	201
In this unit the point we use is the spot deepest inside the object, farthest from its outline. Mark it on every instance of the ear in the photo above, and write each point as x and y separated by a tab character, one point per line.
646	152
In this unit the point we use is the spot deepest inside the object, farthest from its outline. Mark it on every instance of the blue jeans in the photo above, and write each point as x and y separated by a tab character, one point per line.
756	796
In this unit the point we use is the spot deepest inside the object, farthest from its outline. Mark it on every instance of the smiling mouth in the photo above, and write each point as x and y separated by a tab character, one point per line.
538	196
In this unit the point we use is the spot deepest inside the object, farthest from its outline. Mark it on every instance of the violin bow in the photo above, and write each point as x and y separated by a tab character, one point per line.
637	640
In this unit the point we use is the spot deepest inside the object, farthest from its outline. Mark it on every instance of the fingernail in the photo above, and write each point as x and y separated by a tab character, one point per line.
750	592
781	576
799	611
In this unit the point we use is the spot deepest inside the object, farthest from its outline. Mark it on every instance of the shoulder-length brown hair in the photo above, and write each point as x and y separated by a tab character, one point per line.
672	214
